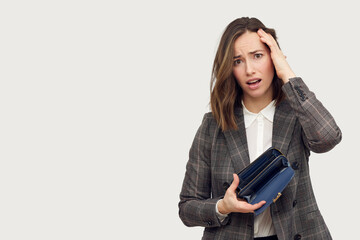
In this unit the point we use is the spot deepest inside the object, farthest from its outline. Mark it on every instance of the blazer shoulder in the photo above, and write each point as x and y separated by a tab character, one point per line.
208	118
209	123
209	115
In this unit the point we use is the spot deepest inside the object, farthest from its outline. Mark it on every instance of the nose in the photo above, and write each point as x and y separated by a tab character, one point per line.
249	68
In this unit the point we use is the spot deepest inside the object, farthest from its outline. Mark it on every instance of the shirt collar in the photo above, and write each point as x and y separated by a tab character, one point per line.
268	112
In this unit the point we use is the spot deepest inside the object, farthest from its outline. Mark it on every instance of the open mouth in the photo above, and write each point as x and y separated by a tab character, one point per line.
253	81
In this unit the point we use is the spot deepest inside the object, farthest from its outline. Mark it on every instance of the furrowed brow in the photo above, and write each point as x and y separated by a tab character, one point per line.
255	51
252	52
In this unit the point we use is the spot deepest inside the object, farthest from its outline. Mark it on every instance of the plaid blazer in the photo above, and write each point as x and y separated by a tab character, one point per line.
301	124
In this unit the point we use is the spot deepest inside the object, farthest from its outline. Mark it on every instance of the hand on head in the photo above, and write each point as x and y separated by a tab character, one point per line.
282	67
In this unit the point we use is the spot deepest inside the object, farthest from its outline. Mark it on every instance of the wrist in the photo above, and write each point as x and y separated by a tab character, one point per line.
287	76
222	208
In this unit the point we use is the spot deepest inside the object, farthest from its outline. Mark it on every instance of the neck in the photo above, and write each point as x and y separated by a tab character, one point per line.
256	105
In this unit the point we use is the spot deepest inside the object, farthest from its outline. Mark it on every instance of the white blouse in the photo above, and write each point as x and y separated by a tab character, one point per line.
259	128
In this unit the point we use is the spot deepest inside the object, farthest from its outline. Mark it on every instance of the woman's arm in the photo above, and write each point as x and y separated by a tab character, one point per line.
196	207
320	131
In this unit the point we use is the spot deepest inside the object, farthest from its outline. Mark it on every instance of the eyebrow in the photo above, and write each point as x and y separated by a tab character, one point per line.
252	52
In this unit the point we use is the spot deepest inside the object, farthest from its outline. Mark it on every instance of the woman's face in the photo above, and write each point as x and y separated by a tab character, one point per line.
253	68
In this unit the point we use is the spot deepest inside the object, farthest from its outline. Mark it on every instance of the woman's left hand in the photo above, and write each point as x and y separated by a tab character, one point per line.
282	67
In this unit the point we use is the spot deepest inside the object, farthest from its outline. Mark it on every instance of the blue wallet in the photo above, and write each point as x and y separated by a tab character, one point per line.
265	179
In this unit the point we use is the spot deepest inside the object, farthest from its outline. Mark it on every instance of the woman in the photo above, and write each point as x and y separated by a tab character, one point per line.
257	102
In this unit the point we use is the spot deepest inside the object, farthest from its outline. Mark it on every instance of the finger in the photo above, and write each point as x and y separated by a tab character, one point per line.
235	183
267	38
267	41
245	207
258	205
263	35
270	42
261	32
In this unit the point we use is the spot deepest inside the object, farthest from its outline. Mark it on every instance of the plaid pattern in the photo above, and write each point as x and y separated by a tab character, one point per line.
301	125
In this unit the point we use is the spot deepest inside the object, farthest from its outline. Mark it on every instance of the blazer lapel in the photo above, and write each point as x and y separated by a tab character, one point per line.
237	143
283	126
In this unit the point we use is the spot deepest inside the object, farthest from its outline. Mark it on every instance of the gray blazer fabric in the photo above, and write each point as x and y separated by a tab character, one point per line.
301	124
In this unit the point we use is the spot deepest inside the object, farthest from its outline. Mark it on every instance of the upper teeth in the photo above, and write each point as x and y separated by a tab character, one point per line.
254	81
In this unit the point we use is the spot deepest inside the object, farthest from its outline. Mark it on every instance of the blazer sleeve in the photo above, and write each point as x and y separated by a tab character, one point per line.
320	131
196	207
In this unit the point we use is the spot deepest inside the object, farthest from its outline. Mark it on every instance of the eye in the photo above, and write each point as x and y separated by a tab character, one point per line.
237	62
258	55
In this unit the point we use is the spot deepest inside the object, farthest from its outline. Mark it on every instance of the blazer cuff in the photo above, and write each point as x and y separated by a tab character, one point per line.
210	218
297	89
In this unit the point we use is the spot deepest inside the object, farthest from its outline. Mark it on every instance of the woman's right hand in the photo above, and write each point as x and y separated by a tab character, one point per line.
282	67
230	203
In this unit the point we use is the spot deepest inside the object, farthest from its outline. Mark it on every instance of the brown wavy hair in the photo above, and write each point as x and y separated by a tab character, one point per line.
226	94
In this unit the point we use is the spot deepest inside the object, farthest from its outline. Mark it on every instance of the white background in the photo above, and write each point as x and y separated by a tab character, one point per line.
100	101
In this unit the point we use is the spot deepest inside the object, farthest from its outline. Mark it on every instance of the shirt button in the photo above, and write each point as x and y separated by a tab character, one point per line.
294	203
295	165
297	237
209	223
